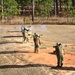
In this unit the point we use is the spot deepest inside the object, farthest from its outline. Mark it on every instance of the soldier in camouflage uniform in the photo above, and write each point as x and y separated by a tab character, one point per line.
25	33
36	39
60	54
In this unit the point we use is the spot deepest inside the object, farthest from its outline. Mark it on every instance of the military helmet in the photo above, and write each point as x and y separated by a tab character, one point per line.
58	43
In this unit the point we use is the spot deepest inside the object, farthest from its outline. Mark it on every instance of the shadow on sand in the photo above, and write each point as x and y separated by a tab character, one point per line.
64	68
11	36
5	42
14	31
36	65
10	52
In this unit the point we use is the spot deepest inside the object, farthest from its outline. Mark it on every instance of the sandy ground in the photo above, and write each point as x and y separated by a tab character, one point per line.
18	58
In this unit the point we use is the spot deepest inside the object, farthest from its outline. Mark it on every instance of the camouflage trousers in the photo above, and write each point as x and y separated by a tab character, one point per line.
36	48
25	38
60	60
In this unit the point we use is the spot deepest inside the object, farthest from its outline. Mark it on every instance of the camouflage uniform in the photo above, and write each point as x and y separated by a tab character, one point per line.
25	34
60	54
36	40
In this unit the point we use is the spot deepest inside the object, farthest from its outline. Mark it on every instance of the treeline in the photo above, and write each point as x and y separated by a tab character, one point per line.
43	8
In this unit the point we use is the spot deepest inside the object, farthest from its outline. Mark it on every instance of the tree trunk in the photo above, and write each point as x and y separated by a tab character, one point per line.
33	11
60	6
2	11
56	7
73	3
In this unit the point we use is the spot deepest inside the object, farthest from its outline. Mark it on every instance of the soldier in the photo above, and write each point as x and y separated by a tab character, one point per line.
60	54
25	33
36	39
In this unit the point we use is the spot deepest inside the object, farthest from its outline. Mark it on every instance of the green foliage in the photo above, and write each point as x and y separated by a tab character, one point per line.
43	7
23	2
72	12
69	8
10	8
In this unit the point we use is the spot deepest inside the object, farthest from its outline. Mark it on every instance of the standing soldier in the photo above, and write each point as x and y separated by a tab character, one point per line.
60	54
25	33
36	39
